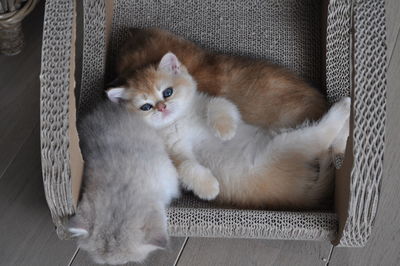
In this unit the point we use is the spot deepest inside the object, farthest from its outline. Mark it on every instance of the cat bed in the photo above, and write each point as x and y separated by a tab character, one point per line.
337	45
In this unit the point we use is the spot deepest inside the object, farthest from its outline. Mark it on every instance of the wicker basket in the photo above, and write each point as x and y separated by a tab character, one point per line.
11	15
338	46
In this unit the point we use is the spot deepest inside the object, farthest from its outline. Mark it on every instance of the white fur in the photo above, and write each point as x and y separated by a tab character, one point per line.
128	181
190	132
218	154
78	232
339	144
192	137
220	110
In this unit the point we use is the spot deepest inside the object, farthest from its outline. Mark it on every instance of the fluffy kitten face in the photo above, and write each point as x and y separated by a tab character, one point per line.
120	240
159	95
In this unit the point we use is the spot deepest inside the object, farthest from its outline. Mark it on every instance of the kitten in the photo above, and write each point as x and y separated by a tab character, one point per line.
128	181
267	95
218	155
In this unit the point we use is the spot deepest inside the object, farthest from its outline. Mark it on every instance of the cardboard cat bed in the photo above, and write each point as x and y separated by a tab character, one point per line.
337	45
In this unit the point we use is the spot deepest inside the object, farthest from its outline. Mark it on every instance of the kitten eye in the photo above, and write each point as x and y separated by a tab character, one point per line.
167	92
146	107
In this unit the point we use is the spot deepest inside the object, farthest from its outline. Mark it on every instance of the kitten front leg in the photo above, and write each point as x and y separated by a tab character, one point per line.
194	176
223	117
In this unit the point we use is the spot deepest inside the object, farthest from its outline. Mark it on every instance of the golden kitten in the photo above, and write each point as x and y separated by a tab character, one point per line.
217	155
267	95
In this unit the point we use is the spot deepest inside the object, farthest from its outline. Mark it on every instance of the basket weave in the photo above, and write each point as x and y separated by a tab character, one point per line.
11	36
288	32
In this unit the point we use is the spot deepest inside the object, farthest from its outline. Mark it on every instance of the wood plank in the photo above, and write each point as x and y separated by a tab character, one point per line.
27	232
219	251
158	258
392	24
20	90
384	244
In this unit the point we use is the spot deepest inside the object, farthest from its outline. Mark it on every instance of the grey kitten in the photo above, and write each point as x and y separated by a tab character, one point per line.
128	181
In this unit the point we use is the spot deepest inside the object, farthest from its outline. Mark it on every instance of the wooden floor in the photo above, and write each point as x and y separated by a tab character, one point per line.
27	234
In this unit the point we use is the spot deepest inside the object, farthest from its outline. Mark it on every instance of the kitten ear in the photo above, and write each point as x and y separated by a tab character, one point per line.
78	232
170	63
79	224
116	94
76	227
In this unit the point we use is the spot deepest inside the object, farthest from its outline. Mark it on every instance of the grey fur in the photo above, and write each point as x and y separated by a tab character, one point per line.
128	181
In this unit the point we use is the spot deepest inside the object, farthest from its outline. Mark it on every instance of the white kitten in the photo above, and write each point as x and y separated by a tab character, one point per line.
217	154
128	181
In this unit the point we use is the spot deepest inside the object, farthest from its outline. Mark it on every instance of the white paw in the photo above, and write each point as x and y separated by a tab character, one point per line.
223	117
339	144
337	115
199	179
332	123
342	107
207	187
224	127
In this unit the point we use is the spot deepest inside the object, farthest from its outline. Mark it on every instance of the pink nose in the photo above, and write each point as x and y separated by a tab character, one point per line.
161	106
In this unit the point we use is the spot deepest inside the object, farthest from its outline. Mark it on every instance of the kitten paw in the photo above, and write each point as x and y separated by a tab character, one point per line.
223	117
337	115
198	179
339	144
224	127
207	188
331	125
342	108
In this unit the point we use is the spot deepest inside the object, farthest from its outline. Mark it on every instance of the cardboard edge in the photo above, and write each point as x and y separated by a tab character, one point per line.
75	155
343	175
342	184
76	159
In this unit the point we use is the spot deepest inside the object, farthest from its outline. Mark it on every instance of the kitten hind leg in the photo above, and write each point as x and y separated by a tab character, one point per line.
312	140
299	163
336	122
339	144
